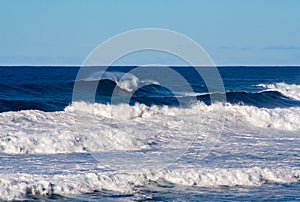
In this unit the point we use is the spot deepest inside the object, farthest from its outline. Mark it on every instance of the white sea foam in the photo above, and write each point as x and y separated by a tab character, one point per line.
124	127
85	127
22	186
288	90
278	118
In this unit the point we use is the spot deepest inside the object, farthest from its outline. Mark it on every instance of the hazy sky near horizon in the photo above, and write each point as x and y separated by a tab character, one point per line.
233	32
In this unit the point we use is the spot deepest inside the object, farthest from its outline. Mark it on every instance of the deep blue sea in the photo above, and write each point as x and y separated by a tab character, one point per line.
117	134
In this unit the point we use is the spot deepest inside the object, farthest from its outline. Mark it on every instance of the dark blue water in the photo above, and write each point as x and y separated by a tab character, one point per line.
50	88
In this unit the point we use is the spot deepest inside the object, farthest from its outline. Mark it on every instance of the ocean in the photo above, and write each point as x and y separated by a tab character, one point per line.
135	139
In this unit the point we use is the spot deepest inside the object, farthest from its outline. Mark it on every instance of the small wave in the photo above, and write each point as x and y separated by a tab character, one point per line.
289	90
25	186
262	99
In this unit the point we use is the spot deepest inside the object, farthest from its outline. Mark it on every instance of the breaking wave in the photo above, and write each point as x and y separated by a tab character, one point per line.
123	127
289	90
125	81
23	186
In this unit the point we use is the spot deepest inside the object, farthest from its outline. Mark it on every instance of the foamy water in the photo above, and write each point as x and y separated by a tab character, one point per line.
246	128
124	127
247	147
19	186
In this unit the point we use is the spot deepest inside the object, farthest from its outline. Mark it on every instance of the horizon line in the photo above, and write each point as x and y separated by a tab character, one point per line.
131	65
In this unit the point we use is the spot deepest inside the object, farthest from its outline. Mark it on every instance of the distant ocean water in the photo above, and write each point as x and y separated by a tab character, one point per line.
45	155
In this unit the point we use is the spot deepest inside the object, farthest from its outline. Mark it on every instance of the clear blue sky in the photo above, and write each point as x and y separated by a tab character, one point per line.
248	32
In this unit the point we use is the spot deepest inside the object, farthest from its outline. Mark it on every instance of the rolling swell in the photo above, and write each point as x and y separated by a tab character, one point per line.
263	99
266	99
56	97
50	90
154	94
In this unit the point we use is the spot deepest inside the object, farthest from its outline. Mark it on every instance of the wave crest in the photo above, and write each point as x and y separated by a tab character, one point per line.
125	81
22	186
289	90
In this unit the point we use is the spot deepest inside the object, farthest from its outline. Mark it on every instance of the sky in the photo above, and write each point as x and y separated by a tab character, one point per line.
233	32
